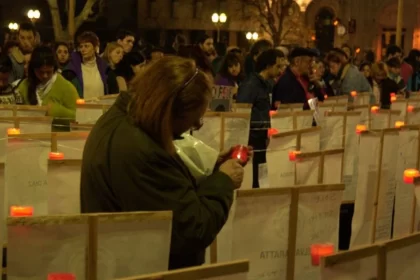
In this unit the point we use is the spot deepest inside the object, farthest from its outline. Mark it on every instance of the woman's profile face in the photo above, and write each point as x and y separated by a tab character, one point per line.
234	70
191	120
366	71
116	55
44	73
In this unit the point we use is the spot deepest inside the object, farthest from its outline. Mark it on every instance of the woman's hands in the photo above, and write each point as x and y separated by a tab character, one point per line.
226	155
234	170
233	167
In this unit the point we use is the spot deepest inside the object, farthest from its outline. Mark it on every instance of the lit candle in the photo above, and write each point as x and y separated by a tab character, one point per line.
320	250
272	131
61	276
240	152
409	175
360	128
272	113
325	96
80	101
21	211
374	109
353	93
393	97
56	156
410	108
292	155
13	131
399	124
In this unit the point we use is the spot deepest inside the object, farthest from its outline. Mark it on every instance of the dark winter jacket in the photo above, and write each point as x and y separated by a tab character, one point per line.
125	170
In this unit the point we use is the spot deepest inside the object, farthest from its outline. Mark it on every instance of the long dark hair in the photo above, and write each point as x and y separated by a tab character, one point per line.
41	56
229	60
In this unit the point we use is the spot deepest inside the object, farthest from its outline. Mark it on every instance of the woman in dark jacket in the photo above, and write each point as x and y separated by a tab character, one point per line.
130	162
383	86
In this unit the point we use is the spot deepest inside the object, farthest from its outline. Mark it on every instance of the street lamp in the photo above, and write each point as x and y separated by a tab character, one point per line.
252	36
34	15
13	26
218	21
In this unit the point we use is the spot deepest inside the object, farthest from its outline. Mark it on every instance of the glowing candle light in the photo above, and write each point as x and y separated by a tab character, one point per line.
61	276
320	250
393	97
21	211
409	175
13	131
56	156
353	93
399	124
410	108
374	109
360	128
272	131
272	113
240	152
292	155
80	101
325	96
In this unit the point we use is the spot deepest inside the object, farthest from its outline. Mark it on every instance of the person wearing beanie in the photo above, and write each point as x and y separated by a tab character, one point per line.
87	71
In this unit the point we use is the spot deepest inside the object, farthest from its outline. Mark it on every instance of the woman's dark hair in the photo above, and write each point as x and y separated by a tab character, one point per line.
41	56
363	64
370	57
195	53
231	59
58	44
124	68
5	64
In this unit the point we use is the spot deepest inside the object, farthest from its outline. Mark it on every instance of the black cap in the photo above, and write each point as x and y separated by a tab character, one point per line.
296	52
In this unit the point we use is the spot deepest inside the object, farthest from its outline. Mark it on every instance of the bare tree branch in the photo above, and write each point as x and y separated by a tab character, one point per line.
85	13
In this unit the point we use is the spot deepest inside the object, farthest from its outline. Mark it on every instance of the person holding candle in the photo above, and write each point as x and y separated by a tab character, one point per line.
45	86
130	161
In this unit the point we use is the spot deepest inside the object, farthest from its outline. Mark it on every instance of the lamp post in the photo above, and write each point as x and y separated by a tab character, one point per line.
13	26
218	21
252	36
34	15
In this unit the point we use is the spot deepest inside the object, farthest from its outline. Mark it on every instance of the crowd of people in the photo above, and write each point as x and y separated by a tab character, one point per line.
130	162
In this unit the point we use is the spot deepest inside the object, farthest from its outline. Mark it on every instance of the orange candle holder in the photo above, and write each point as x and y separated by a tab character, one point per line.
293	155
272	131
21	211
410	108
353	93
273	113
399	124
360	128
374	109
80	101
320	250
325	96
13	131
61	276
56	156
410	174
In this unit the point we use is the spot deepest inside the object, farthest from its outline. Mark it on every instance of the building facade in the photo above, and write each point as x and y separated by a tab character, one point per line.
368	24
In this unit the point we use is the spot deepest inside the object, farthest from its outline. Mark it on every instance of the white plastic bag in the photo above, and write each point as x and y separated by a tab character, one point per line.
197	156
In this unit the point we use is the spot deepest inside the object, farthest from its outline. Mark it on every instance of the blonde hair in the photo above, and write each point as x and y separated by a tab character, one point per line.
379	69
110	47
168	90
